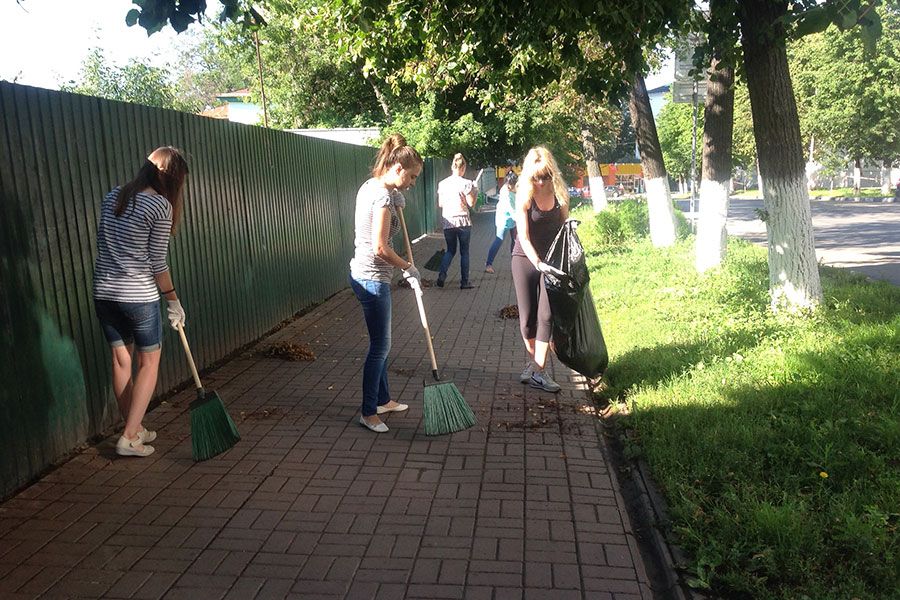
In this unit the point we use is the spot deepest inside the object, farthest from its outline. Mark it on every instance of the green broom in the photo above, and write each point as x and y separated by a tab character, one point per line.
445	408
212	430
434	263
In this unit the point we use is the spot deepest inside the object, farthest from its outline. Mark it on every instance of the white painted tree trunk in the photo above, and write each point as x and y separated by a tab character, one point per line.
711	235
793	269
857	176
885	178
662	213
598	193
759	181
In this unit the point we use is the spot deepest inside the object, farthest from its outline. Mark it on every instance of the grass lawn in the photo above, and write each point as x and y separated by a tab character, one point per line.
775	438
870	192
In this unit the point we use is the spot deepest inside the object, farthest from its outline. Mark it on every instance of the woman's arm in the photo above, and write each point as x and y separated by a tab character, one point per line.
471	197
381	226
524	235
164	281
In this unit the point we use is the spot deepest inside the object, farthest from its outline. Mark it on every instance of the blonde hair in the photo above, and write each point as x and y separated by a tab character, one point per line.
395	150
540	161
459	161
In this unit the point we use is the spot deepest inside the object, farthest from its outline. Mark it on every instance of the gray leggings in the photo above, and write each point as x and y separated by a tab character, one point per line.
535	318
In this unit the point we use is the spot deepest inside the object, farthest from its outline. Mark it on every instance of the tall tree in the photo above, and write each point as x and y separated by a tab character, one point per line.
718	126
656	180
715	184
134	82
848	98
675	127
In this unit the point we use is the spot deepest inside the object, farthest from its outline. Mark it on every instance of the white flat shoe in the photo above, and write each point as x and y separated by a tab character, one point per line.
397	408
146	435
135	447
380	428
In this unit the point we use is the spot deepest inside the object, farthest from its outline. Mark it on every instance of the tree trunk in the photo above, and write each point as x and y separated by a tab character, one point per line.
385	108
595	180
885	177
857	175
793	270
718	125
656	181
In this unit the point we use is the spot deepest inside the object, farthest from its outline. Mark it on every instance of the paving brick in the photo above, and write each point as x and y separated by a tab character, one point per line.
309	505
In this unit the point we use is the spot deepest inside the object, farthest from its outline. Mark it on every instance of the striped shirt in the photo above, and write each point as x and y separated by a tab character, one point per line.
132	248
365	265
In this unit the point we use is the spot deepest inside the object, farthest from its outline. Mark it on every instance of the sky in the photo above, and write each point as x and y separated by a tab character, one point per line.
43	42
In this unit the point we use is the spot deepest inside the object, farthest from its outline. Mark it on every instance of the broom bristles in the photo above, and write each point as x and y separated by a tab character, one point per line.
434	263
212	430
446	410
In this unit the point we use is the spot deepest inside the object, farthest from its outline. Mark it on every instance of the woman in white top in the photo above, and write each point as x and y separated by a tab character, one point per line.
456	195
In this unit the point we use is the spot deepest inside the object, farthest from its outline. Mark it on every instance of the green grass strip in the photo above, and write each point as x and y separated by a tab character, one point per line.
775	438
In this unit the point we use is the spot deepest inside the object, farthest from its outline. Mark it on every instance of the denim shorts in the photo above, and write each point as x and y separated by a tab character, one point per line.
126	323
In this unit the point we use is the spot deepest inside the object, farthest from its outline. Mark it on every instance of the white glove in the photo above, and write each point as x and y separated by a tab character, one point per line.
411	273
176	313
548	270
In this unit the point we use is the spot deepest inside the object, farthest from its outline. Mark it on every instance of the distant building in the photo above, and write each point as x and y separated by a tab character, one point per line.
359	136
236	108
658	99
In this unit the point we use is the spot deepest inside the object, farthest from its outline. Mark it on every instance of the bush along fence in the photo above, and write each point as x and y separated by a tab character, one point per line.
267	232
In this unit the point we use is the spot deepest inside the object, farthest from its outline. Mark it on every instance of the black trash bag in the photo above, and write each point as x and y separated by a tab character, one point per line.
577	336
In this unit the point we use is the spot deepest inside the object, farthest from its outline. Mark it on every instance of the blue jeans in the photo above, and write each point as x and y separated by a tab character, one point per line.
375	297
452	235
498	241
126	323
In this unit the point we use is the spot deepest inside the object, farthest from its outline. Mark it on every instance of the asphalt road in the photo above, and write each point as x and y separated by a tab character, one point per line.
860	235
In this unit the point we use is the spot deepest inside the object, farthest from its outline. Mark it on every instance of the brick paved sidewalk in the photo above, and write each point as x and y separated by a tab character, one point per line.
309	504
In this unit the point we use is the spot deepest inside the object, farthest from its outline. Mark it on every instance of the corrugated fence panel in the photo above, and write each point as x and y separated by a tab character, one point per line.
267	231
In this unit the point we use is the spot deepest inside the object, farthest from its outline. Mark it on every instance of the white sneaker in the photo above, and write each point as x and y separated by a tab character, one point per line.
135	447
525	376
543	381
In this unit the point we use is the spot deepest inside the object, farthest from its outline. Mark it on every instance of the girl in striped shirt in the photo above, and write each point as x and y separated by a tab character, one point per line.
131	270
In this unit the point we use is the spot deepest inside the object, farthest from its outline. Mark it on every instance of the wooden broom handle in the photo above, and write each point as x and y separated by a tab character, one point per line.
418	293
190	357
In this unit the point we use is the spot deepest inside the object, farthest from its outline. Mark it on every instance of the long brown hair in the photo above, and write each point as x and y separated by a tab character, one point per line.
165	171
395	150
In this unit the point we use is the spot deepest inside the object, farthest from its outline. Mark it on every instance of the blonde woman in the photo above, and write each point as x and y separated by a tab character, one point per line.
456	195
397	166
542	206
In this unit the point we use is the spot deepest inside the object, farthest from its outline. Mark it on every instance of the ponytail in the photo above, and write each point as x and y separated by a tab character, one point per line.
395	150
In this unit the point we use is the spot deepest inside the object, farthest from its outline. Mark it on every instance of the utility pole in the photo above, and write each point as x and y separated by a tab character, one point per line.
262	88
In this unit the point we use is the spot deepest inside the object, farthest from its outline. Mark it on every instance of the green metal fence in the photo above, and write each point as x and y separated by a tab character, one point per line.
268	231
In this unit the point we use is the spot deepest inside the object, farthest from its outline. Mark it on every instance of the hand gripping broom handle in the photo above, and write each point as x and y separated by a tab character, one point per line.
418	291
190	357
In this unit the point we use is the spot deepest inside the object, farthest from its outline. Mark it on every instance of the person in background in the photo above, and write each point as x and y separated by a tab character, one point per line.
131	271
504	218
397	166
542	206
456	195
